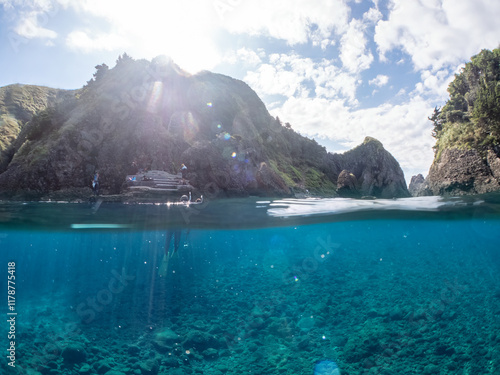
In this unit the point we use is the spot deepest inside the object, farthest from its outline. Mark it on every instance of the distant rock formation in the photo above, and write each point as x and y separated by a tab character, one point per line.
154	116
375	172
417	185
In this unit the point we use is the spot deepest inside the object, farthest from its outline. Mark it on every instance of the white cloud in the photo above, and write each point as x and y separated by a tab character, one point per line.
353	52
81	41
379	81
434	84
439	33
372	16
333	83
293	75
268	80
31	19
246	56
295	22
181	30
28	27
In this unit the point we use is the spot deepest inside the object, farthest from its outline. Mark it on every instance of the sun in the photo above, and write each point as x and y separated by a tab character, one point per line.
182	30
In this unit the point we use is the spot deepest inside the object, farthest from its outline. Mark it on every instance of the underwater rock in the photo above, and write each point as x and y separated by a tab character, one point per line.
366	342
149	367
279	327
49	368
396	314
104	365
165	339
210	353
74	353
171	362
306	323
28	372
319	308
326	367
258	355
200	341
133	350
444	350
114	372
431	369
85	369
304	343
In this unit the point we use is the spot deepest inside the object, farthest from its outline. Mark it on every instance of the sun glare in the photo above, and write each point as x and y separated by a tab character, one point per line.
181	30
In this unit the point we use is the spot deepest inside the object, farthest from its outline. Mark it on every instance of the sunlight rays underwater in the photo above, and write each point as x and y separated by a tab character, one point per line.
360	293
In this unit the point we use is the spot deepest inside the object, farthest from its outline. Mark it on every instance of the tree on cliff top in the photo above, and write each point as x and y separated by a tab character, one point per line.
471	116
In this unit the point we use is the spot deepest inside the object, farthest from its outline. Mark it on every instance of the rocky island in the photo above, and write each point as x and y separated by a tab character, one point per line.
151	115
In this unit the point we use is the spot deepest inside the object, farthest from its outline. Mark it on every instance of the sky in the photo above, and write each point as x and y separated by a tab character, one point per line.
336	70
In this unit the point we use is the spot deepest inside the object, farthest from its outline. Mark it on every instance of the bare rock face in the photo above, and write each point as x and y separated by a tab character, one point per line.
494	164
460	172
347	184
418	186
376	171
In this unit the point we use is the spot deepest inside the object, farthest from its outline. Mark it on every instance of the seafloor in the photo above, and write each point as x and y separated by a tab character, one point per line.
377	297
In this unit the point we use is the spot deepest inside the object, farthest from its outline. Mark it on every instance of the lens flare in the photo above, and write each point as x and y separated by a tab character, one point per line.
155	97
190	126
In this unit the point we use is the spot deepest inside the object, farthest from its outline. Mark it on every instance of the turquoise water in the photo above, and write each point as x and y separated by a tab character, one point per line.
256	287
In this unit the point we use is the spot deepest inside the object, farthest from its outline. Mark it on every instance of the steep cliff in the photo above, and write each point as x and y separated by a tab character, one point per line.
461	172
153	115
467	132
18	104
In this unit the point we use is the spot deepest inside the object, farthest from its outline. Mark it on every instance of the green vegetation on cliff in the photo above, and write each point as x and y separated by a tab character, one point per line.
143	115
18	104
470	118
152	115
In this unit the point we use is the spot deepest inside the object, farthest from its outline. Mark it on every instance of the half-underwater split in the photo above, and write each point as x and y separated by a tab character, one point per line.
248	286
259	187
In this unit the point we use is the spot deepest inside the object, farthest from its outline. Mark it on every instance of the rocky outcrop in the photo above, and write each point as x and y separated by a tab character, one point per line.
417	186
459	172
375	172
347	184
154	116
493	161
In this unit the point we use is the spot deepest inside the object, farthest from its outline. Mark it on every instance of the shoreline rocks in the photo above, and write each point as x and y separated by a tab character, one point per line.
459	172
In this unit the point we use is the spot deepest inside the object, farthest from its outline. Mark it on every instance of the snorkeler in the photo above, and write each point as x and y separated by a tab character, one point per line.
176	236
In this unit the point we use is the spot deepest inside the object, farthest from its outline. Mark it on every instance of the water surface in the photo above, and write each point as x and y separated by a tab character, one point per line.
257	286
